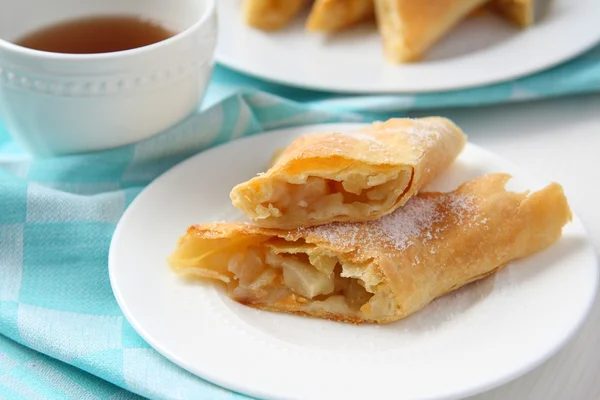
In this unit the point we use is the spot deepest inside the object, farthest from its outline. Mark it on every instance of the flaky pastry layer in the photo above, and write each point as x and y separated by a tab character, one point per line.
335	15
378	271
409	28
523	13
354	176
270	15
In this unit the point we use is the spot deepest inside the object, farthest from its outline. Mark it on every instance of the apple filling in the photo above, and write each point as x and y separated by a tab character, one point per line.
319	198
293	276
279	273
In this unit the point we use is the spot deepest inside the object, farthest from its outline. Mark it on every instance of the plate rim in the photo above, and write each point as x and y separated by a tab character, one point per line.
567	55
259	393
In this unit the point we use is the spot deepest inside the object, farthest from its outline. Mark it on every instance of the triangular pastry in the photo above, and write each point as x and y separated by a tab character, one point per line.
270	15
353	176
523	13
335	15
378	271
410	27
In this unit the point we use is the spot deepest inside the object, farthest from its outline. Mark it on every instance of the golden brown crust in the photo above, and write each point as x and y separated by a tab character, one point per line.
413	151
270	15
435	244
519	12
410	27
293	309
335	15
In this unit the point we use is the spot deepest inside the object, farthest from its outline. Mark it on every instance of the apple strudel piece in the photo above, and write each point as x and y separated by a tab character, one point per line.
353	176
410	27
523	13
335	15
270	15
378	271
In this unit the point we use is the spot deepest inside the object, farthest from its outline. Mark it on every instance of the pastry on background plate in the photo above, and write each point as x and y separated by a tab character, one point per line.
335	15
378	271
353	176
409	28
270	15
523	13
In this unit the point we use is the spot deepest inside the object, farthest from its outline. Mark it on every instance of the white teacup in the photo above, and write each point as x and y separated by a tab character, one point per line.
56	103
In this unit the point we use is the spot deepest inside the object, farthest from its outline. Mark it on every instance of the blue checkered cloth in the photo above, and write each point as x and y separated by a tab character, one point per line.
62	335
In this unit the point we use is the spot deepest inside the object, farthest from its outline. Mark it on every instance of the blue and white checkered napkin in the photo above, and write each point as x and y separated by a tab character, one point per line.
62	335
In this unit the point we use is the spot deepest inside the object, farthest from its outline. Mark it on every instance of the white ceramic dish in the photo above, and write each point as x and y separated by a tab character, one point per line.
55	103
480	51
469	341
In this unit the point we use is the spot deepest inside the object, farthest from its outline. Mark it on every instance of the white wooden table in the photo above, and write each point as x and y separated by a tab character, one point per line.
556	140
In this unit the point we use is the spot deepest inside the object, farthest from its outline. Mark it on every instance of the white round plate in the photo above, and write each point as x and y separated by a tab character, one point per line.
466	342
481	50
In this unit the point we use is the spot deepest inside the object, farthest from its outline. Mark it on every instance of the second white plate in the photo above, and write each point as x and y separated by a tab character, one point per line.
469	341
481	50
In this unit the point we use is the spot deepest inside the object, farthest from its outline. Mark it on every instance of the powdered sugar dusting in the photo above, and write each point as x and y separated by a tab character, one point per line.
364	137
338	232
461	205
337	141
398	228
415	221
422	133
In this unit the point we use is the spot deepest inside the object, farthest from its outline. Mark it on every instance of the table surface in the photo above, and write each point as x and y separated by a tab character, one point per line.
557	140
